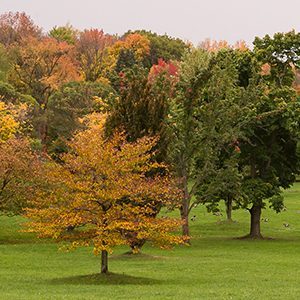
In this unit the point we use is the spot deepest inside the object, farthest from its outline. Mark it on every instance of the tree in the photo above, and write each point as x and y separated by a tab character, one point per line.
69	105
16	27
18	163
162	47
17	173
183	125
100	190
4	63
141	109
126	60
269	155
143	103
65	33
213	45
39	68
131	50
8	123
92	46
9	95
221	119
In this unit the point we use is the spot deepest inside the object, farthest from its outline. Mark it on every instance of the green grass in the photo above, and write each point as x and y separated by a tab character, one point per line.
216	266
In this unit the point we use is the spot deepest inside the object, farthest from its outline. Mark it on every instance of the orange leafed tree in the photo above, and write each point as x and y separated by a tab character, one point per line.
91	47
138	43
103	193
17	162
15	27
241	45
40	67
213	45
17	168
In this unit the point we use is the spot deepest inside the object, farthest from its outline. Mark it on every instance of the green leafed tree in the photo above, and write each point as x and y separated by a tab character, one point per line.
69	104
4	63
221	117
163	47
142	105
183	125
269	155
65	33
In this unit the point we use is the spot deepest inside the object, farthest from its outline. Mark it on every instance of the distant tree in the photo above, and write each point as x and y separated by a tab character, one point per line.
130	50
65	33
16	27
18	163
17	171
162	47
4	63
139	44
68	105
8	123
101	189
39	68
92	46
143	102
213	45
126	60
9	95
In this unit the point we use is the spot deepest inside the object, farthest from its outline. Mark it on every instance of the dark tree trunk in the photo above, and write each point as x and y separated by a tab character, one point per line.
136	245
104	262
255	212
185	218
228	203
184	210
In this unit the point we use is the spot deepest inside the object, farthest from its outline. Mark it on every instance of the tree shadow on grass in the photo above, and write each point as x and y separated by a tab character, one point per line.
136	256
105	279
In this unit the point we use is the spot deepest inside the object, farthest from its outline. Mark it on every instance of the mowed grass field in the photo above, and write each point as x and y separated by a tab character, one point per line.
215	266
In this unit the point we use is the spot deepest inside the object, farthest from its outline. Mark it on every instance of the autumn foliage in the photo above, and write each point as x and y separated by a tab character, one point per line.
92	47
18	163
89	121
102	191
16	27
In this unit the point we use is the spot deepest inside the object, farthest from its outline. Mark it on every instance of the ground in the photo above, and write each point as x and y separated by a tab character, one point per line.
215	266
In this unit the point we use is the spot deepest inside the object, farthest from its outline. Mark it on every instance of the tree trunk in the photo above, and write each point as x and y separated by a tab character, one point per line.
104	262
136	245
255	212
185	218
228	203
184	210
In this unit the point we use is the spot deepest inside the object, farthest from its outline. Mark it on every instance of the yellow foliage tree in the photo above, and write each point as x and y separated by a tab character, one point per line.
137	43
103	193
17	162
8	124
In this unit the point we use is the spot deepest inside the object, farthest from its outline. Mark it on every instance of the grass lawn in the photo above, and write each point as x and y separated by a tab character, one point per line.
216	266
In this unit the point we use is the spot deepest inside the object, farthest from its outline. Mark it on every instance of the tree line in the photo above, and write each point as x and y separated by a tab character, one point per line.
100	134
